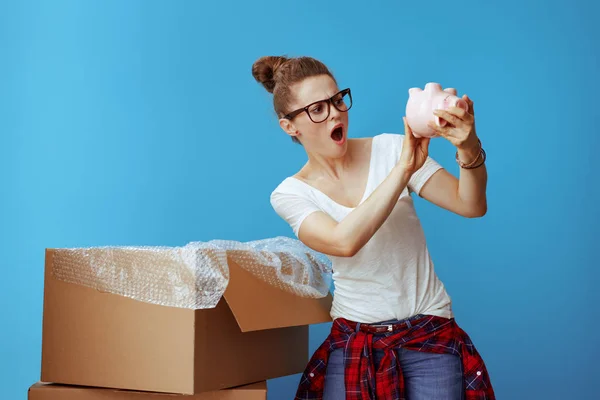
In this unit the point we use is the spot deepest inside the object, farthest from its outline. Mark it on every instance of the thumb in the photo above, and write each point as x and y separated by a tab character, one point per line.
424	144
470	104
408	136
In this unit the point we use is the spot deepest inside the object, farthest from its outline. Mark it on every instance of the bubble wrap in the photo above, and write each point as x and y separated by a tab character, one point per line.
196	275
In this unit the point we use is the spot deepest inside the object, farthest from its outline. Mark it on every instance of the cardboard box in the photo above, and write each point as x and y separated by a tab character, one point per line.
41	391
256	332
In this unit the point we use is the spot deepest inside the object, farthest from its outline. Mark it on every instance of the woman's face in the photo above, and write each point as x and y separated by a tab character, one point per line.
329	137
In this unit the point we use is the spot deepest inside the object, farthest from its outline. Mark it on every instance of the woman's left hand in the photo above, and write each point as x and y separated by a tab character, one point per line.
460	130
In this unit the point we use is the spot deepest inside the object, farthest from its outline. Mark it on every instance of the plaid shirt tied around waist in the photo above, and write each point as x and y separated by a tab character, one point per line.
422	333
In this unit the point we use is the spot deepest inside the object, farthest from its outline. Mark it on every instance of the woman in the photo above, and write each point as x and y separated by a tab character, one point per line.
394	333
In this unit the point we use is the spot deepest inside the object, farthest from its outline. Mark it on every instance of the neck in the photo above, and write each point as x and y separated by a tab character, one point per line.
320	166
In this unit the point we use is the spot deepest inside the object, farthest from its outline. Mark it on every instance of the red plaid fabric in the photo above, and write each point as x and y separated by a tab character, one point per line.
424	333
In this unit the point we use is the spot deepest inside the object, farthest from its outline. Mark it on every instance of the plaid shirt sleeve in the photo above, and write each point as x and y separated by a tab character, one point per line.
312	381
477	380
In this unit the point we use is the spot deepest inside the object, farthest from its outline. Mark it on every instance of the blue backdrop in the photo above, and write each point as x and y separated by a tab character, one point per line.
139	123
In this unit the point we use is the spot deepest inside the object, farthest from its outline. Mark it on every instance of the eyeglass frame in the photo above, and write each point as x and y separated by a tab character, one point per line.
329	102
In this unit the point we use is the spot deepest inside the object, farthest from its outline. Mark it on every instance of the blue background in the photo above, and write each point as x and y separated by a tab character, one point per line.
139	123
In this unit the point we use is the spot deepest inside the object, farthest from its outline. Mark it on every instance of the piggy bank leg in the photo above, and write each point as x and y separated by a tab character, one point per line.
433	87
452	91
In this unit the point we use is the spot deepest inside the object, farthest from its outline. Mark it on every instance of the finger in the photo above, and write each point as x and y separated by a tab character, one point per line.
440	131
443	132
407	131
469	103
451	116
462	114
459	112
424	144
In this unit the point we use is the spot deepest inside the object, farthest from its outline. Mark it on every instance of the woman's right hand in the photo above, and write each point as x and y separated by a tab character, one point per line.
414	151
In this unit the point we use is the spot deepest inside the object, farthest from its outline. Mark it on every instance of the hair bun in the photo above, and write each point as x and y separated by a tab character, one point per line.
264	69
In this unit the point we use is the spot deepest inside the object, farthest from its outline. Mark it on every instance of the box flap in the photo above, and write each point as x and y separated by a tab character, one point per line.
257	305
43	391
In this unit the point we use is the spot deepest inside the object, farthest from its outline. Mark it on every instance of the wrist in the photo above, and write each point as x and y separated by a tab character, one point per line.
469	158
468	153
403	172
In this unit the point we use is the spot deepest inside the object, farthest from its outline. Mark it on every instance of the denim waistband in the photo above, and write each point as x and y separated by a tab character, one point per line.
406	321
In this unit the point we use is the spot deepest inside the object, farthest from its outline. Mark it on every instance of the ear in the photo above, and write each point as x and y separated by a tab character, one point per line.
288	127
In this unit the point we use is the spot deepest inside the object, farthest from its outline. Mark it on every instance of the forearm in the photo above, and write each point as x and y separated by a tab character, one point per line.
472	183
357	228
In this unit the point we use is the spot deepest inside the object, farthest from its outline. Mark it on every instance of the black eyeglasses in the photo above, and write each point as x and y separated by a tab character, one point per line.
319	110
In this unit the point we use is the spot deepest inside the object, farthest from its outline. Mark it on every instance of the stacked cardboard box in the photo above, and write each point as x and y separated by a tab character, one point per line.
99	345
39	391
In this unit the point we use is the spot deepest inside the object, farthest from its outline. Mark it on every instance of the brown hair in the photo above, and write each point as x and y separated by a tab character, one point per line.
279	73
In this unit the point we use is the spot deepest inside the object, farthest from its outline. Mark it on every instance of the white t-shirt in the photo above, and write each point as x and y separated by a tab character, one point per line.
392	276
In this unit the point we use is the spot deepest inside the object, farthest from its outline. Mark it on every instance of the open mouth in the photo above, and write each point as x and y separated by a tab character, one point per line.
337	134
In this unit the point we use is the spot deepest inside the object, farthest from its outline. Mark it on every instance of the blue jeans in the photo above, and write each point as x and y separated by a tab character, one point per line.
427	376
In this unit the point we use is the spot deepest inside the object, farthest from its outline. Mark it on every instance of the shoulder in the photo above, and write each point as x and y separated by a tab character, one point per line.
290	185
383	136
392	138
291	189
382	140
388	146
385	140
293	201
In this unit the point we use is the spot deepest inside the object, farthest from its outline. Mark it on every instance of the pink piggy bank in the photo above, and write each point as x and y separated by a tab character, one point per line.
422	103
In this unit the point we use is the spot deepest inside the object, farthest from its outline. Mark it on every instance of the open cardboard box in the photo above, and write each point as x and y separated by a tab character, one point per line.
256	332
41	391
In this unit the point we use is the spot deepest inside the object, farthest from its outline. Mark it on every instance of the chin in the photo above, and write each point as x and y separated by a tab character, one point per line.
338	150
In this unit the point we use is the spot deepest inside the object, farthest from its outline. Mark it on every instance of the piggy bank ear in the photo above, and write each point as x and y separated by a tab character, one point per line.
451	91
414	90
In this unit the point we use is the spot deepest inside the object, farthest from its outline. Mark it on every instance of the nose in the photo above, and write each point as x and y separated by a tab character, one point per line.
333	112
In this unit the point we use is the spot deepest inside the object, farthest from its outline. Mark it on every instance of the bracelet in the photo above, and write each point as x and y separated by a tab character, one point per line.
473	164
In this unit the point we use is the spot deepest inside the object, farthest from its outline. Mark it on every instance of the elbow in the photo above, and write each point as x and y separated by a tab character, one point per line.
479	214
476	212
484	211
347	247
351	252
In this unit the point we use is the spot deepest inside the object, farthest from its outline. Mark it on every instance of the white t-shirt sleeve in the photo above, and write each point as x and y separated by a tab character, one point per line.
422	175
293	206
